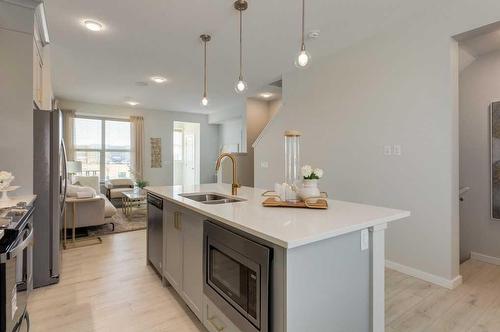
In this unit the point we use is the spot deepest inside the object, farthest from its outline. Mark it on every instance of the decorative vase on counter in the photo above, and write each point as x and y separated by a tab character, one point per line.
292	164
309	189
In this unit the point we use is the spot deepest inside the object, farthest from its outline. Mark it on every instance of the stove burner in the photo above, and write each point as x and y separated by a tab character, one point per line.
22	205
16	212
9	216
5	222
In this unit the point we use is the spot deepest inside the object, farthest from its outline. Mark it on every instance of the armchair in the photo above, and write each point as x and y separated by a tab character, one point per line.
115	188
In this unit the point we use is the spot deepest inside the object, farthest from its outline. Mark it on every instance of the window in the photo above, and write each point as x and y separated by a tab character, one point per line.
178	137
103	147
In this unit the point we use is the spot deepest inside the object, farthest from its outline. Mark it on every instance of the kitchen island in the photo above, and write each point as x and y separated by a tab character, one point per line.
325	272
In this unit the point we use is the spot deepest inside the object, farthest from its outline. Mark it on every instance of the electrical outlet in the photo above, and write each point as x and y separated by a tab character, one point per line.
396	150
264	164
387	150
365	239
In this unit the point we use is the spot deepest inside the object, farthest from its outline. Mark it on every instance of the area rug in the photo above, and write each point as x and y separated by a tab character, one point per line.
137	222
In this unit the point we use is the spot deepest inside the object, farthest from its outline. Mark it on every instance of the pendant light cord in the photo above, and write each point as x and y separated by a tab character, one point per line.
205	70
303	24
241	45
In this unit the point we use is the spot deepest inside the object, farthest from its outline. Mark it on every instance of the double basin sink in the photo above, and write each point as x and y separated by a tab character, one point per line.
212	198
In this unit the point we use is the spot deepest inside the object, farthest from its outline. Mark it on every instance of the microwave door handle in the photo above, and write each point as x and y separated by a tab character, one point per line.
21	246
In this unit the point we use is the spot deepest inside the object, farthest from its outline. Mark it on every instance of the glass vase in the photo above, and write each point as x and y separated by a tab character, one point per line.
292	164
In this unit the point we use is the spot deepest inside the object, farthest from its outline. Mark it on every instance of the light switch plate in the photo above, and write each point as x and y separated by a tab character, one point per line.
365	239
396	150
387	150
264	164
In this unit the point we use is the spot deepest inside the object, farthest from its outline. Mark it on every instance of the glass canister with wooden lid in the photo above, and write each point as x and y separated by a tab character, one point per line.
292	163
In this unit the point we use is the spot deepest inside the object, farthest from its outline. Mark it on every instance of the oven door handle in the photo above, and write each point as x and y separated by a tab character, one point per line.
21	246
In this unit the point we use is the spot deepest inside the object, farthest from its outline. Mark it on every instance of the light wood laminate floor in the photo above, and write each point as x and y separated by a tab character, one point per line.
108	287
415	305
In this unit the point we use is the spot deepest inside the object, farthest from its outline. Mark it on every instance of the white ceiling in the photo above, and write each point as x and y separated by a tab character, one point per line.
151	37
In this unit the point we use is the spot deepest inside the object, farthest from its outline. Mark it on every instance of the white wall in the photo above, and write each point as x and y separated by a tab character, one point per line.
274	107
16	94
257	115
161	124
231	134
479	86
398	87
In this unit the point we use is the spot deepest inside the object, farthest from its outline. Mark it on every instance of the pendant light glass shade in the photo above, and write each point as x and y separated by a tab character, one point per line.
303	58
205	39
241	86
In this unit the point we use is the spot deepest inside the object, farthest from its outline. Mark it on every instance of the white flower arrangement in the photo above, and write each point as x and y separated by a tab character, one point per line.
311	174
5	179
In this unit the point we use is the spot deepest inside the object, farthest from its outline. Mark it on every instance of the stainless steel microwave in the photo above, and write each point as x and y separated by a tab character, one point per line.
237	277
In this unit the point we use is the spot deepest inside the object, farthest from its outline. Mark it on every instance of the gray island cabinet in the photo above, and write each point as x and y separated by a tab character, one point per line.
327	267
183	254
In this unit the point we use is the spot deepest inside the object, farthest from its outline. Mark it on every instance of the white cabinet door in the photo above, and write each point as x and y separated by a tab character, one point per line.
173	248
192	267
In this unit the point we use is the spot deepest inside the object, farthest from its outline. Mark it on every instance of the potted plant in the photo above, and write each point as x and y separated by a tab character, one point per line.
141	183
310	183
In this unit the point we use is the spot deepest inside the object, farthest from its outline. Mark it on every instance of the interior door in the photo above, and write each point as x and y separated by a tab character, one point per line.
189	159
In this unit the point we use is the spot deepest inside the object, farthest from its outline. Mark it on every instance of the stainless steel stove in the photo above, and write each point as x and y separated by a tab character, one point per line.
16	261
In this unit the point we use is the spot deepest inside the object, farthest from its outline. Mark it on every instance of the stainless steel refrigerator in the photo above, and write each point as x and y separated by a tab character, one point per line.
50	183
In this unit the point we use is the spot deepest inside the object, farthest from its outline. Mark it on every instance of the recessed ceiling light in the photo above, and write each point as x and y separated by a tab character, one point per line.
132	102
158	79
313	34
93	25
266	95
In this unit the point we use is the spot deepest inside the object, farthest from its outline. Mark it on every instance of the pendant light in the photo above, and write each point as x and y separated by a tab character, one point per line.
303	59
241	85
205	39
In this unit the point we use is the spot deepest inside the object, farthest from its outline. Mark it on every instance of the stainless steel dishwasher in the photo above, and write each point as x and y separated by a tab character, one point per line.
155	232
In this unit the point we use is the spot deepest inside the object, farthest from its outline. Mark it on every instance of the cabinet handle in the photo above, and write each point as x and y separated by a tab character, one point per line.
217	327
177	220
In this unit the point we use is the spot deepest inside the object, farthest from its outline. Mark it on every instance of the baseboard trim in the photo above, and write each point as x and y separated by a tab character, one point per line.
485	258
437	280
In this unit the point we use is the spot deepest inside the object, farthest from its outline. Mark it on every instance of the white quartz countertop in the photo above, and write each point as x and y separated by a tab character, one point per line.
285	227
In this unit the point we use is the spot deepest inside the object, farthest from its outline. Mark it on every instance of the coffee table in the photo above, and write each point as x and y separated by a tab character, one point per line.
132	199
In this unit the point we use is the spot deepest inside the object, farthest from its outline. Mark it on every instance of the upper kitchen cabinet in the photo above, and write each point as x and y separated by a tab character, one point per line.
42	83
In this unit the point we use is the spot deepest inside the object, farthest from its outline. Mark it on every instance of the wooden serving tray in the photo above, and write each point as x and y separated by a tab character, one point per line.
310	203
